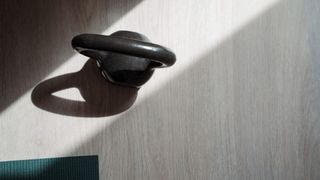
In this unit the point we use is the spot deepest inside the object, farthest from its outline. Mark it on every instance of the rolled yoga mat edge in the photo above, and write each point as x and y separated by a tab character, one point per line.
60	168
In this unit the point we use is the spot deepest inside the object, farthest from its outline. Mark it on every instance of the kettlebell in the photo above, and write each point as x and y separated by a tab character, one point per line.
125	58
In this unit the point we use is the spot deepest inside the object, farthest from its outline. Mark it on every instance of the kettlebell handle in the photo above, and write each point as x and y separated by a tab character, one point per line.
95	42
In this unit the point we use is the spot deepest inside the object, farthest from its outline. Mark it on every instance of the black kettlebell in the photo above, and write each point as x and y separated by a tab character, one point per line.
125	57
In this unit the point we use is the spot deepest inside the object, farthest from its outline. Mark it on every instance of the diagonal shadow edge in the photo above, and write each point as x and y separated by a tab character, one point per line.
96	144
99	141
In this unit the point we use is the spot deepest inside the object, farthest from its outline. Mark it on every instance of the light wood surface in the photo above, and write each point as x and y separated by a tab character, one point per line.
242	102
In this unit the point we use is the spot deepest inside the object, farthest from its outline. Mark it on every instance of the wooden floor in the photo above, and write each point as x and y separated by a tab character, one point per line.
242	102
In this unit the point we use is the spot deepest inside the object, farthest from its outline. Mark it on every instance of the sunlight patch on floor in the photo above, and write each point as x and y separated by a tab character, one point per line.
230	18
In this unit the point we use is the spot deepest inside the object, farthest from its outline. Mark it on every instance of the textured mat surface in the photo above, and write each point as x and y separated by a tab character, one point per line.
66	168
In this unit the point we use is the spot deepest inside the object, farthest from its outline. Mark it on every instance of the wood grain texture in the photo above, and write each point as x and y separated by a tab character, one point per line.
242	102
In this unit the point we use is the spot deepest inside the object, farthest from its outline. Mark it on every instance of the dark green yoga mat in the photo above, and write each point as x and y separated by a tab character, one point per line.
66	168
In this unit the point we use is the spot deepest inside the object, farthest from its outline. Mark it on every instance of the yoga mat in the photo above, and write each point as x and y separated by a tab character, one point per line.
65	168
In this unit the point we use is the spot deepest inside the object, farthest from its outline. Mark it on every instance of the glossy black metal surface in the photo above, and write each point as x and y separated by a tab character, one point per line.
125	57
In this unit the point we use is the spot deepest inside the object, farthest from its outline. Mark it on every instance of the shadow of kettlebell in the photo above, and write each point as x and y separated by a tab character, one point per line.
102	98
